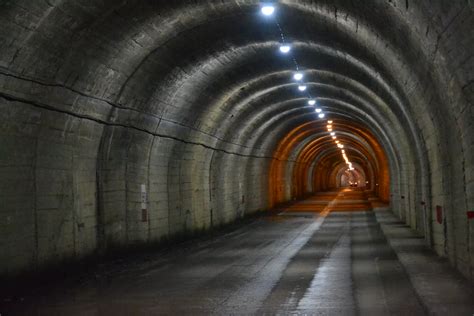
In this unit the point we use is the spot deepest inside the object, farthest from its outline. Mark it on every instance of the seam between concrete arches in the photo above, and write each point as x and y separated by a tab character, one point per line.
103	122
58	85
112	104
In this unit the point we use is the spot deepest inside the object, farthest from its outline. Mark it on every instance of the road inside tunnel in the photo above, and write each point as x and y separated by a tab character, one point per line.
335	253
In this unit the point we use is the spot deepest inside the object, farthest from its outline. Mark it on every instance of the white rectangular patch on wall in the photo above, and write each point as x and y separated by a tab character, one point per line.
144	201
143	196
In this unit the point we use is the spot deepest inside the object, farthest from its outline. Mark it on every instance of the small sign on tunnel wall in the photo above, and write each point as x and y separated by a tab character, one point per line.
439	214
470	214
144	199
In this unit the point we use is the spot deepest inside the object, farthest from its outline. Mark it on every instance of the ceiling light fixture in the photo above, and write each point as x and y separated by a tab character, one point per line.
298	76
285	49
268	10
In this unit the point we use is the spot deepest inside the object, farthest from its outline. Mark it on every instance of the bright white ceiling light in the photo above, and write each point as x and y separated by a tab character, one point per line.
333	134
329	122
268	10
298	76
334	137
318	110
302	87
321	115
285	49
312	102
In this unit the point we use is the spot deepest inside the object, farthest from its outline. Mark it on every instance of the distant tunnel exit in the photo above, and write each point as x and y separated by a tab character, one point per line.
354	177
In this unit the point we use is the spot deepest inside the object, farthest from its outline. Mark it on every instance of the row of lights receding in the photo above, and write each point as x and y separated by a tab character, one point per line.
298	76
268	10
339	145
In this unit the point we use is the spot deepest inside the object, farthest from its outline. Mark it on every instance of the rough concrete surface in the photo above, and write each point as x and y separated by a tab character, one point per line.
127	123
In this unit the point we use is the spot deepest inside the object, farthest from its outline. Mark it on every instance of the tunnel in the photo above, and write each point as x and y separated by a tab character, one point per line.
236	157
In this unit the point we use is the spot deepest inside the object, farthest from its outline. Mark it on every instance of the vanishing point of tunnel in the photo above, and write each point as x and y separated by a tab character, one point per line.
237	157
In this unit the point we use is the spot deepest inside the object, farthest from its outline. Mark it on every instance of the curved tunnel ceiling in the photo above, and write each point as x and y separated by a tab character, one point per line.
317	159
194	100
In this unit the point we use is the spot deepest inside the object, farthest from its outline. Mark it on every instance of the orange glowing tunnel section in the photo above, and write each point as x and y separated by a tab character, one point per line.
328	155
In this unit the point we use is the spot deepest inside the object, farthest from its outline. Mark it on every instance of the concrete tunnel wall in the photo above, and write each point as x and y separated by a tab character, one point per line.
190	99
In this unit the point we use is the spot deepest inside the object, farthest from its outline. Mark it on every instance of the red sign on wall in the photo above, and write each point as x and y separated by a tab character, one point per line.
439	214
470	214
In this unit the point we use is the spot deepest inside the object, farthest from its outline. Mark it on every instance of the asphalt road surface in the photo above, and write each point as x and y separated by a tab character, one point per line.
327	255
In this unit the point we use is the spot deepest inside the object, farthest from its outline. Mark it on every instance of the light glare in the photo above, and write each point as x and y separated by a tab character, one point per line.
298	76
268	10
285	49
302	88
333	134
321	115
317	110
312	102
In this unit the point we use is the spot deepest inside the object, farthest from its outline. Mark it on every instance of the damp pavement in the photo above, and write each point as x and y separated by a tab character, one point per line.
328	255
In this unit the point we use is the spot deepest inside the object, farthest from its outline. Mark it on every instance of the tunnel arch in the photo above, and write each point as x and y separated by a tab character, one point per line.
196	112
315	150
357	177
